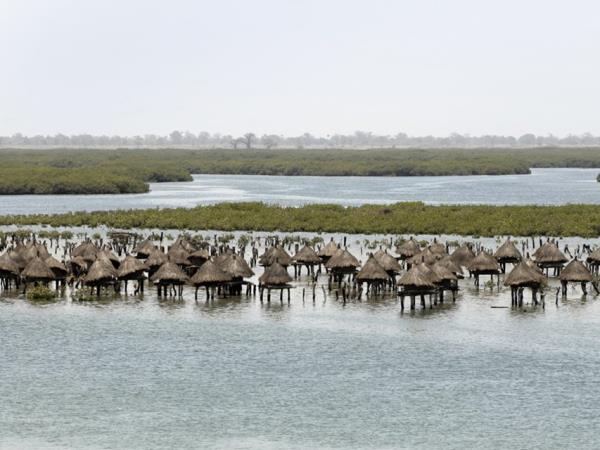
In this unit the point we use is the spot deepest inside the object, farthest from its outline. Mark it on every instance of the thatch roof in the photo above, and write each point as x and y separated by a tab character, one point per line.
372	271
449	264
179	255
549	253
576	271
508	251
463	255
594	257
37	270
408	248
329	250
275	254
416	278
79	262
342	260
210	273
198	257
7	265
15	255
426	256
306	255
144	248
275	275
484	262
110	256
387	261
185	244
101	271
437	247
156	259
130	266
32	250
524	275
236	266
443	273
57	267
86	250
169	272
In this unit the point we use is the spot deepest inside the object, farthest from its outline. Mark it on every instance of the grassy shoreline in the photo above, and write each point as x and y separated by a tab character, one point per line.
80	171
399	218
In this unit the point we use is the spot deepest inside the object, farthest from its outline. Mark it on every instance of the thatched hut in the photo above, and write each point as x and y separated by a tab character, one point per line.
236	266
199	257
548	256
427	256
463	255
78	266
306	257
155	260
169	275
437	247
453	267
37	271
275	254
87	250
484	264
373	274
448	280
523	276
593	260
275	277
179	255
575	272
101	274
328	251
211	276
507	253
132	269
144	249
417	281
389	264
59	270
408	249
9	271
341	264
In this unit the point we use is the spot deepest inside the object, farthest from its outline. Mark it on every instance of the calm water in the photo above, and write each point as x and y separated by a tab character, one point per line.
155	374
543	186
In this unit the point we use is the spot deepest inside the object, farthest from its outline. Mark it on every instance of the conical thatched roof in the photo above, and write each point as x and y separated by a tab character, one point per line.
101	271
156	259
416	278
275	275
549	253
185	244
329	250
210	273
7	265
508	251
110	256
79	262
426	271
594	257
32	250
343	259
306	255
523	275
130	266
463	255
198	257
179	255
437	247
408	248
169	272
37	270
144	248
533	265
87	250
387	261
236	266
426	256
372	271
275	254
57	268
443	272
449	264
17	258
484	262
576	271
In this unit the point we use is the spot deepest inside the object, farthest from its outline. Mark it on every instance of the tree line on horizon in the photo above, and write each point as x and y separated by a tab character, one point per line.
358	139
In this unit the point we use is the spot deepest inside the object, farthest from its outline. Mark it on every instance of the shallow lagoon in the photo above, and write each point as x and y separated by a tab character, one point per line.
150	374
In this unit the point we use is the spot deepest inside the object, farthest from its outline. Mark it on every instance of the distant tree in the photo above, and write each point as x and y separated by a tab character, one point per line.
176	137
248	139
269	140
527	139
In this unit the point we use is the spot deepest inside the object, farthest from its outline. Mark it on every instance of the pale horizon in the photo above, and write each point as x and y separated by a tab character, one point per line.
322	67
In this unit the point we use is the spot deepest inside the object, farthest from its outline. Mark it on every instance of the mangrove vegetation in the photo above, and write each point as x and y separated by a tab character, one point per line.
399	218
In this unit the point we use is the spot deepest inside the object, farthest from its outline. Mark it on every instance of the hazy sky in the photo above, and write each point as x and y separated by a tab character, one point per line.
275	66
